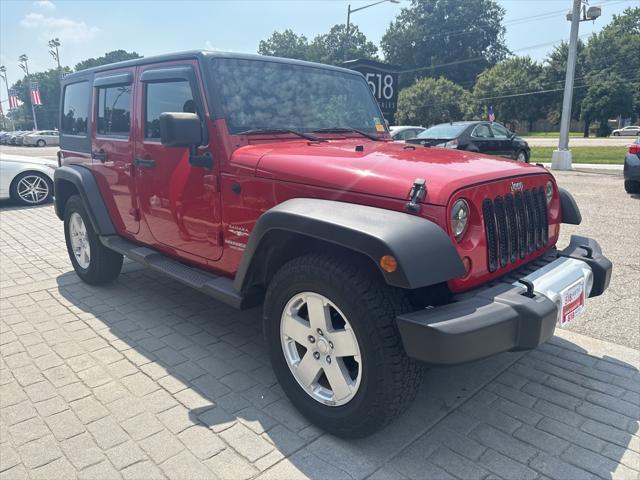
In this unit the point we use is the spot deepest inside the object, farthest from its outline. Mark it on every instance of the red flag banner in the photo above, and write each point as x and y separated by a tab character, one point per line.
14	100
35	94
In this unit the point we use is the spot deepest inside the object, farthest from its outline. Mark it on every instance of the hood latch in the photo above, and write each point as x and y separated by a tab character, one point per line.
416	195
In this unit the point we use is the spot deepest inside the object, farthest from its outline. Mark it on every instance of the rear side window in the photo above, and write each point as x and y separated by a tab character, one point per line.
114	110
165	97
75	109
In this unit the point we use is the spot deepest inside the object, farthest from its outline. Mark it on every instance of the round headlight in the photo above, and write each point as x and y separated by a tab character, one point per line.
549	192
459	218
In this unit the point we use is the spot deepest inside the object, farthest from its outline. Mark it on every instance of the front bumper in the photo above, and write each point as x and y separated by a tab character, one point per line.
507	315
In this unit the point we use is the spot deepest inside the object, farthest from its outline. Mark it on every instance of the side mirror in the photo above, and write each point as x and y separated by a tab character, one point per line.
179	129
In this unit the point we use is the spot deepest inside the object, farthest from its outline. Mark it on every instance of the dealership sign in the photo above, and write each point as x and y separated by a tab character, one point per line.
383	81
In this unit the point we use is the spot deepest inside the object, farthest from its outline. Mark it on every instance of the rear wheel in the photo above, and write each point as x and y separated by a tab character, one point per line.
632	186
41	143
93	262
334	345
31	188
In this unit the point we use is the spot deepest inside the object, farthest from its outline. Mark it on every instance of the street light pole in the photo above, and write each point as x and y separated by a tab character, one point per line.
561	158
350	10
3	74
25	68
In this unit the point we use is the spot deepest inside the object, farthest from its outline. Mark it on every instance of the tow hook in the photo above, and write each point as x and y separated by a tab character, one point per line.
416	195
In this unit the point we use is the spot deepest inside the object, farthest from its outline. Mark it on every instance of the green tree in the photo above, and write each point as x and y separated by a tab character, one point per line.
457	38
109	57
47	113
285	44
607	97
329	48
430	101
507	87
332	48
555	70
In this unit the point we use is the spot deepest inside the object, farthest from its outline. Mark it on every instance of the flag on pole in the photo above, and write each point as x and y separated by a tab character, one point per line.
14	100
492	116
35	94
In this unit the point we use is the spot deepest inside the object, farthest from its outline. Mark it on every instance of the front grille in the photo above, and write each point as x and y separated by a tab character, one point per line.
515	226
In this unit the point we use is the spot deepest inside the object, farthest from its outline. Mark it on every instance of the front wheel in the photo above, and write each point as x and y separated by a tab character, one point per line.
522	156
335	347
632	186
31	188
93	262
41	143
616	134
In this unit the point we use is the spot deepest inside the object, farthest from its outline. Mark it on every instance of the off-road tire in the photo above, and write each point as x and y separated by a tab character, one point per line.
105	264
632	186
390	379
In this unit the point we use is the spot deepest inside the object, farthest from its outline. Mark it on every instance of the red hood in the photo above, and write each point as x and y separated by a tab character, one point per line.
382	168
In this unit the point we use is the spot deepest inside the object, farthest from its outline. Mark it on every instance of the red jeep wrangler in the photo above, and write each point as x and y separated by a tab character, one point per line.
259	180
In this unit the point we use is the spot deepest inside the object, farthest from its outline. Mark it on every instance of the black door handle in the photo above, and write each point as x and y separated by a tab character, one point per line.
144	163
99	156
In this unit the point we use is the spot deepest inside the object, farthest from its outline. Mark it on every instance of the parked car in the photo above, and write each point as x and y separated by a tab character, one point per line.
632	168
19	139
405	132
26	180
630	131
4	137
42	138
482	137
11	140
274	182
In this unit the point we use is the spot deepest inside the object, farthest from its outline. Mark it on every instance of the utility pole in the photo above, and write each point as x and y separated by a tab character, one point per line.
3	74
561	158
345	46
54	43
25	68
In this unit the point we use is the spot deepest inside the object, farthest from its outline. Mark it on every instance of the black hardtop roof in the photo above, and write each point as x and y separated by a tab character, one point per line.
199	55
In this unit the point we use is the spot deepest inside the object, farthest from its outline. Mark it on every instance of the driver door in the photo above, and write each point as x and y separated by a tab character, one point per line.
179	202
504	144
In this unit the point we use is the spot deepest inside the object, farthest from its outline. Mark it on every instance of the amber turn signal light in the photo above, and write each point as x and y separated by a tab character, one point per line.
388	263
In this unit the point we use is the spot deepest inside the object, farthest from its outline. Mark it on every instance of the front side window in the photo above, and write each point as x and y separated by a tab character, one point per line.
114	110
257	94
165	97
482	131
75	109
499	131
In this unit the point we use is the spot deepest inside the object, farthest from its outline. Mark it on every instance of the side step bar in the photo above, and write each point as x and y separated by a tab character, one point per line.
220	288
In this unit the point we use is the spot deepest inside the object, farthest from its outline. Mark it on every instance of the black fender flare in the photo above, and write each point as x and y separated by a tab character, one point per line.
423	251
569	208
87	187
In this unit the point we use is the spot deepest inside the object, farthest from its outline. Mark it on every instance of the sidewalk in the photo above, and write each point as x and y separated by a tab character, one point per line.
148	379
592	166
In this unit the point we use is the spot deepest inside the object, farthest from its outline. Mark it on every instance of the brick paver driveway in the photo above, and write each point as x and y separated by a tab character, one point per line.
148	379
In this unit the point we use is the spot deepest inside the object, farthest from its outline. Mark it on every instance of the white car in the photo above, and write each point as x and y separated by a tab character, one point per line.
401	133
42	138
630	131
26	180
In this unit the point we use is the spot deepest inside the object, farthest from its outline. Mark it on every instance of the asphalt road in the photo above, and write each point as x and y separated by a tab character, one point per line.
612	217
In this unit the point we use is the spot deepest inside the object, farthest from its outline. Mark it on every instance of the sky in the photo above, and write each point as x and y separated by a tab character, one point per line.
90	28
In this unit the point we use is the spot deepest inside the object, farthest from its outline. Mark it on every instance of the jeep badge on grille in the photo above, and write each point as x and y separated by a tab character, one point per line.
517	186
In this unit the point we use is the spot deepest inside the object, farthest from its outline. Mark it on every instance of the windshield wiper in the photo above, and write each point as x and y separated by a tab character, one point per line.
348	130
257	131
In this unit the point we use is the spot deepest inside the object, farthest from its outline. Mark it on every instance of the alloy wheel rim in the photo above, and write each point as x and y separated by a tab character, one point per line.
79	240
32	189
321	349
522	157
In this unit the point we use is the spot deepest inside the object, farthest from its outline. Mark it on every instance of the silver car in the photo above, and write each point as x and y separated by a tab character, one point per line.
42	138
26	180
630	131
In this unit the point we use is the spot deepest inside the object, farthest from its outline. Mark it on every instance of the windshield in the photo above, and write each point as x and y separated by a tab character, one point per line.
444	130
256	94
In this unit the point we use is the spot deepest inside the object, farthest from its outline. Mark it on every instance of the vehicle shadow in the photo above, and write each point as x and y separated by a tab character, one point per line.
213	362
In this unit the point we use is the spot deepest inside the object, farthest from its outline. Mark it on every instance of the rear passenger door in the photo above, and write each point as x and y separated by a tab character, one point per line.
180	203
112	149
